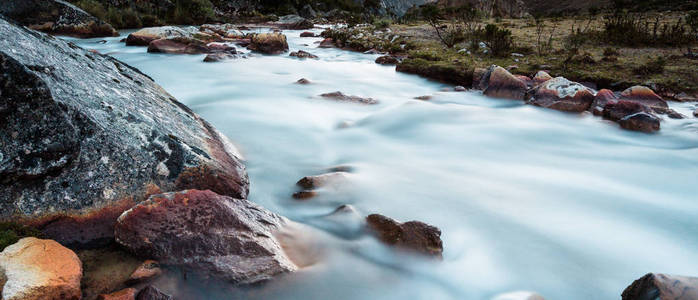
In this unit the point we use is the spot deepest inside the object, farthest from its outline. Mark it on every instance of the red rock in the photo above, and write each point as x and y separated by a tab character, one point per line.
125	294
541	77
413	236
615	111
217	236
662	287
387	60
525	79
643	95
602	98
502	84
149	270
327	43
39	269
562	94
339	96
632	116
307	34
641	121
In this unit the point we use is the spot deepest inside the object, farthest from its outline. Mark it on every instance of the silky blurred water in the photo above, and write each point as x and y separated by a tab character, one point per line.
569	206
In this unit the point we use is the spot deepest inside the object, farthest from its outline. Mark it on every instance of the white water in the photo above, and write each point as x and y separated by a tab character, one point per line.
569	206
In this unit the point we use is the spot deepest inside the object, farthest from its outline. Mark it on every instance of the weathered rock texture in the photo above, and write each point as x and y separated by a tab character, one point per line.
643	95
341	97
40	269
152	293
144	36
632	116
561	94
269	43
125	294
499	83
56	17
218	236
303	54
84	136
412	236
657	286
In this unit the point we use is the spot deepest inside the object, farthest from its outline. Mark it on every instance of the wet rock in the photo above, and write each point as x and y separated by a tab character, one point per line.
502	84
40	269
217	236
459	88
668	112
695	113
519	295
658	286
55	17
318	181
218	57
413	236
632	116
307	34
125	294
643	95
148	270
106	270
304	195
602	98
425	97
293	22
479	80
327	43
76	154
178	45
561	94
303	54
541	77
144	36
152	293
303	81
526	80
387	60
269	43
339	96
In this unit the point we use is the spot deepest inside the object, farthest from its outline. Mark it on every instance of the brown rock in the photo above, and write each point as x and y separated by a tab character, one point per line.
643	95
561	94
303	81
338	96
526	80
178	45
541	77
304	195
318	181
615	111
412	236
502	84
125	294
303	54
657	286
218	236
479	80
307	34
327	43
152	293
641	121
40	269
105	270
218	57
602	98
144	36
632	116
425	97
269	43
387	60
148	270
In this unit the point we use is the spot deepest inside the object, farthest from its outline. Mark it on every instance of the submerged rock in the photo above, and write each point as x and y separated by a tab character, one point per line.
499	83
413	236
658	286
218	236
152	293
148	270
55	17
318	181
339	96
643	95
308	34
293	22
39	269
125	294
387	60
269	43
561	94
303	81
144	36
220	56
303	54
84	136
327	43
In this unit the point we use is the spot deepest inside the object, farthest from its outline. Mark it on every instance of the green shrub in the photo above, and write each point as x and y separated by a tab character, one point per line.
151	21
113	17
498	40
636	30
192	11
655	66
130	19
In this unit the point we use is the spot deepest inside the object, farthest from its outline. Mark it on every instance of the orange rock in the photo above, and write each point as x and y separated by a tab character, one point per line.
125	294
602	98
40	269
643	95
503	84
146	271
541	77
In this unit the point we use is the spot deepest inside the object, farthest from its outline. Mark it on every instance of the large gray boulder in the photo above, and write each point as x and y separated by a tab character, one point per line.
55	17
83	137
218	236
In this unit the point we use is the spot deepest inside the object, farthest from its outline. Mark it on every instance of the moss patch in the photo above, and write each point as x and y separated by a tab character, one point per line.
10	233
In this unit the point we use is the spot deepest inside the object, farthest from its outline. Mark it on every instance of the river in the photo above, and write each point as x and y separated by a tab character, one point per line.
567	205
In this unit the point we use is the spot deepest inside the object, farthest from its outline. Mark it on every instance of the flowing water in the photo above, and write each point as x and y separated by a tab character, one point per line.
569	206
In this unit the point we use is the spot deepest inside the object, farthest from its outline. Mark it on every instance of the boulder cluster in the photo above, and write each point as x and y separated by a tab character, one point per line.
636	108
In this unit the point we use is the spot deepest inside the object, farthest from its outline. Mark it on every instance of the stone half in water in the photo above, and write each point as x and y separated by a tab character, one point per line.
658	286
217	236
561	94
412	236
339	96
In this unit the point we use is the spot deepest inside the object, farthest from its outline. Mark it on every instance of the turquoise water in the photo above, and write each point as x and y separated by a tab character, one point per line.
569	206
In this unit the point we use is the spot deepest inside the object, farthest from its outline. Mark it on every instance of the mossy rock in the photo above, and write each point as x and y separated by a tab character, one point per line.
10	233
460	74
